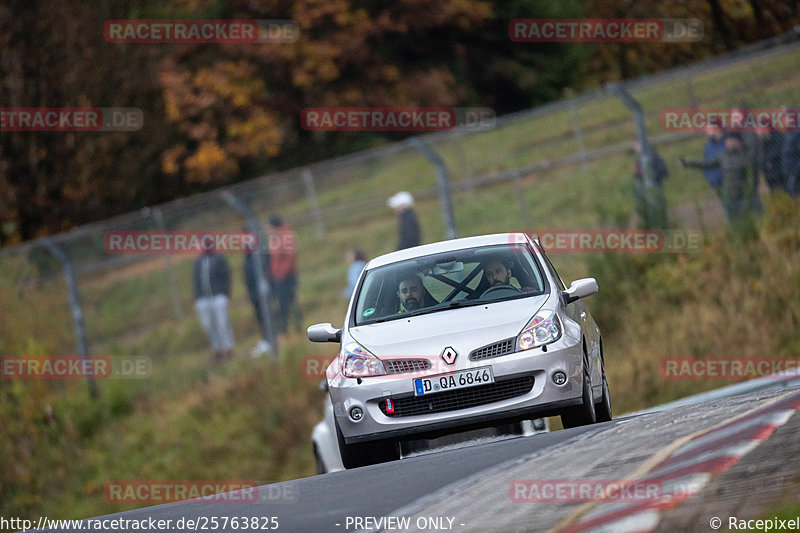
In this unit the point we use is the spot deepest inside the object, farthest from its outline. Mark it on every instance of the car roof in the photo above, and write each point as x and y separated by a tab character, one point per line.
446	246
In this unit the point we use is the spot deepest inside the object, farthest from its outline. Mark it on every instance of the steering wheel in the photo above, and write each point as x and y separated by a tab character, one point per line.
500	288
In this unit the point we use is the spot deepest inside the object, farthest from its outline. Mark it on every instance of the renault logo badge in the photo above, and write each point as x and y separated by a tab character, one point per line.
449	355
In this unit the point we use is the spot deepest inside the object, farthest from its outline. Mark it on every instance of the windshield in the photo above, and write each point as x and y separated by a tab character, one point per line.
444	281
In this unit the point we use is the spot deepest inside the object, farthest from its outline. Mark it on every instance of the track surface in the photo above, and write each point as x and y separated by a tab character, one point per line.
468	488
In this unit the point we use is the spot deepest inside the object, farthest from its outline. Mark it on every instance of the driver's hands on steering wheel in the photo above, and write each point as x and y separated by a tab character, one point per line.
500	287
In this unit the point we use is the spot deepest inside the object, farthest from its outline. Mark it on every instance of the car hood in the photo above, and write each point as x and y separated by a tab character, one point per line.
463	329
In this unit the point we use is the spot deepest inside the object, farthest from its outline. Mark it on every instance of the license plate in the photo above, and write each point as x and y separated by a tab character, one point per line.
456	380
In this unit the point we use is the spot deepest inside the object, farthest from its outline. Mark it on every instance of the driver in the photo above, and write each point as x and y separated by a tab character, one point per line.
497	273
410	293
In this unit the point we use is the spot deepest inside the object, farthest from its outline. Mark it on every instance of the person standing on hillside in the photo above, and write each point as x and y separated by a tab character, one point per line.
790	158
212	291
408	228
283	268
768	157
715	145
357	260
738	183
749	141
250	272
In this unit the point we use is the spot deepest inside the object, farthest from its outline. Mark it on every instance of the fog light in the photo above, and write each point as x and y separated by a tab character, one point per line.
559	378
356	413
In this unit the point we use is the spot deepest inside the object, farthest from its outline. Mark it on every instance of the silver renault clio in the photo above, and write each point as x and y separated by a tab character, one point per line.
459	335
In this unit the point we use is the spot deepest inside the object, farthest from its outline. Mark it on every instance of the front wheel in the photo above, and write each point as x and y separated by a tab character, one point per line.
603	407
318	460
366	453
583	414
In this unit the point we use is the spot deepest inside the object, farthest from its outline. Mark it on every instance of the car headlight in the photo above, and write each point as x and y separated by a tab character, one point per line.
543	328
359	363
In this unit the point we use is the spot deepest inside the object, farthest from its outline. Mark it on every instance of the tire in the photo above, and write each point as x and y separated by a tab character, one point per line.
603	407
318	460
583	414
366	453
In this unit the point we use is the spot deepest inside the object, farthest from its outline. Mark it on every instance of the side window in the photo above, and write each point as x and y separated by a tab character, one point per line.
528	271
553	272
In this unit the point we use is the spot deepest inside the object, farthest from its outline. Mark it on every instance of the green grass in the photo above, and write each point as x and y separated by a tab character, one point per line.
252	418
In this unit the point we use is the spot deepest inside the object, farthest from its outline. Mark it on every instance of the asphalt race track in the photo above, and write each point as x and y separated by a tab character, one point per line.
682	449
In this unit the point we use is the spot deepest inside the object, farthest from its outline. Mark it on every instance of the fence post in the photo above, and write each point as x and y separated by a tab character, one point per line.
171	281
466	171
311	192
655	215
74	304
262	283
443	185
523	210
690	90
576	129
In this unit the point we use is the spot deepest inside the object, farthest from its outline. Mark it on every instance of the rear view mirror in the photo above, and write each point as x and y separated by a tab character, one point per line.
580	288
448	268
324	333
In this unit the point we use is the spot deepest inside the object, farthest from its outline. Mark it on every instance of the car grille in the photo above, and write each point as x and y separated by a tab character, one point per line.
400	366
493	350
442	402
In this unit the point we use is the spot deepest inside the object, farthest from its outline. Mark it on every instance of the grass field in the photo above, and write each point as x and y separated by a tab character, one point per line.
251	418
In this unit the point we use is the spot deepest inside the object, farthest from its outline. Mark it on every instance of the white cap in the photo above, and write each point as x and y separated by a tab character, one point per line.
401	199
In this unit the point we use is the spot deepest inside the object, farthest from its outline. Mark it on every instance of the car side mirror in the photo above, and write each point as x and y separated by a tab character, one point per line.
580	288
324	333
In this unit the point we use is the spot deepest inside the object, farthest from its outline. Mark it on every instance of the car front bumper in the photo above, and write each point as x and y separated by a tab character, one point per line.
545	398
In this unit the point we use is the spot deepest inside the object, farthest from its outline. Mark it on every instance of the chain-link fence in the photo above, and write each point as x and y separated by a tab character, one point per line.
514	176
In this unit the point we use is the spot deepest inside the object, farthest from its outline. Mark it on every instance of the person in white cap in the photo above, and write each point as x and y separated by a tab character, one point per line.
408	229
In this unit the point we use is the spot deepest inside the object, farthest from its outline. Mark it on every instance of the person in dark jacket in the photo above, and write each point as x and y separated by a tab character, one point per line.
408	228
790	157
715	145
738	183
741	114
251	280
212	290
768	157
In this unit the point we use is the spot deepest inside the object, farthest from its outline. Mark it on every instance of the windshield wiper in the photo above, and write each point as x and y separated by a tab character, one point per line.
466	303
